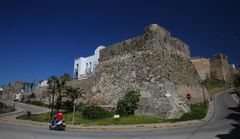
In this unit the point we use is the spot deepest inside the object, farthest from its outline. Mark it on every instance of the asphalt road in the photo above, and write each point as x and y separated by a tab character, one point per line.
224	125
23	108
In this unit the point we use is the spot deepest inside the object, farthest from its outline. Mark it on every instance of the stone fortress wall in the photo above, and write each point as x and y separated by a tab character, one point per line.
202	66
220	68
154	35
216	67
155	64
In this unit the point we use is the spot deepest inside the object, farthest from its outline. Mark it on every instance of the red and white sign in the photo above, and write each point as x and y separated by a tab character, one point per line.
188	96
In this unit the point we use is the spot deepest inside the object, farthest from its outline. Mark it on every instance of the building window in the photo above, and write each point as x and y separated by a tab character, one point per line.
90	68
77	66
76	75
86	67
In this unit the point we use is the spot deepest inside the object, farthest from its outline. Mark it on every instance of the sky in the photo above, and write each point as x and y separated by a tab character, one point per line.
40	38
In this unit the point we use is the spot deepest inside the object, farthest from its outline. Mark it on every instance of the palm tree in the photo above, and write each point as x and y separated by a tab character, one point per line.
31	86
74	93
24	86
61	88
65	77
52	86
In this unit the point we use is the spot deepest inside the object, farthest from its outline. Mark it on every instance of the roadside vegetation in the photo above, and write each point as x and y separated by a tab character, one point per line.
95	115
198	112
236	83
36	103
5	109
214	85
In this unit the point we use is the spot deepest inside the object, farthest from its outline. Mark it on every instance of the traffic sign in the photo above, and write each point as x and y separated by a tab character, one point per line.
188	96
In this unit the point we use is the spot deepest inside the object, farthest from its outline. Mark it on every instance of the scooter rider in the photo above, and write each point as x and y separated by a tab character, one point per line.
59	115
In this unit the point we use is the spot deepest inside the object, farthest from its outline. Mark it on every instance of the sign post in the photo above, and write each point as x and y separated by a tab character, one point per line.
188	96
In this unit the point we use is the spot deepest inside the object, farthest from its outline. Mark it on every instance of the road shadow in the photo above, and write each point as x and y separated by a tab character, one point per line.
235	132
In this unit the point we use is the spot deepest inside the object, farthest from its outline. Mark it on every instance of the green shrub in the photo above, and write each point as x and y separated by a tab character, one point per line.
32	95
80	107
95	112
236	82
5	108
67	105
128	104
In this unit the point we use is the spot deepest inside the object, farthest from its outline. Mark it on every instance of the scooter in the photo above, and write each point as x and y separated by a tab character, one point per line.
60	125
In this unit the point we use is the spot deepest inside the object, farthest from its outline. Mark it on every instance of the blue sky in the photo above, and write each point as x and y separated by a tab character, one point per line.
40	38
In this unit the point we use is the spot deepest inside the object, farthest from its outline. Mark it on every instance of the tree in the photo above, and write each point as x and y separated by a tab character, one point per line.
24	86
61	88
52	86
65	77
129	103
74	93
236	82
31	85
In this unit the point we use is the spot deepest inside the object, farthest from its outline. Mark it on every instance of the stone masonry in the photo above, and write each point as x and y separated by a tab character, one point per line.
155	64
220	68
202	66
216	67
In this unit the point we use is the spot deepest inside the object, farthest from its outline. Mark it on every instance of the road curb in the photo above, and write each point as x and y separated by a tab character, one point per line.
236	98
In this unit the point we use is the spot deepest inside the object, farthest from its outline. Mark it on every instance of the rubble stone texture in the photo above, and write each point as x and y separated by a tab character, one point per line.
155	64
220	68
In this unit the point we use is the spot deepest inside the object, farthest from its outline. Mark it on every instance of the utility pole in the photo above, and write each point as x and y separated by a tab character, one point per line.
53	93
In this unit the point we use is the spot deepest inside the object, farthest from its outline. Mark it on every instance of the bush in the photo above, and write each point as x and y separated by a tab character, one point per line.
80	107
236	82
95	112
32	95
128	104
5	108
67	105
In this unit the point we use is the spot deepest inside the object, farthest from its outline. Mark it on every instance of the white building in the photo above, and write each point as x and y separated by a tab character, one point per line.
233	66
18	97
43	83
85	65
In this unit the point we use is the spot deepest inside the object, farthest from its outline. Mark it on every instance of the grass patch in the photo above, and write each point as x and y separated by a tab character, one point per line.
198	112
214	86
5	109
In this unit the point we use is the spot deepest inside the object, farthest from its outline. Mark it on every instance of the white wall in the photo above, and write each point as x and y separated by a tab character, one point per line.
84	65
43	83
